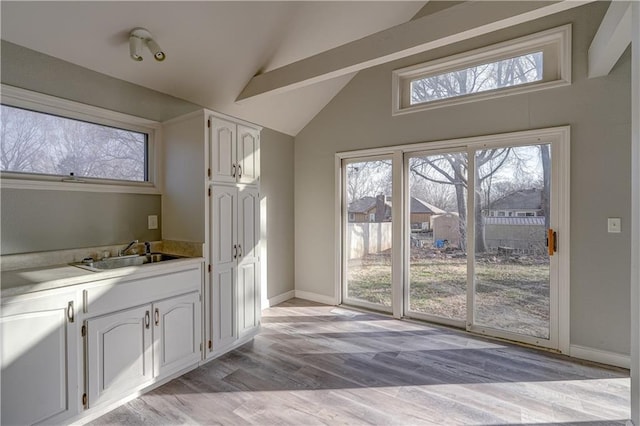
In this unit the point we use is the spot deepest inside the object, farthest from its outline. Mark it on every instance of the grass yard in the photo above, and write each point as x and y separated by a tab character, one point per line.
512	292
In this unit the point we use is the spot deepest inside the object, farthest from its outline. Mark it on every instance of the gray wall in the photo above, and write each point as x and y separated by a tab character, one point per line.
276	194
52	220
598	112
35	220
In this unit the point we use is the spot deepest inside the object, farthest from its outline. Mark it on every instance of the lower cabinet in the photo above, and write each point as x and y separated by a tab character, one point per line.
128	349
39	360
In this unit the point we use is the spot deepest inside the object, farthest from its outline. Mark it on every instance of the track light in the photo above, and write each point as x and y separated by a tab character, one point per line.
137	38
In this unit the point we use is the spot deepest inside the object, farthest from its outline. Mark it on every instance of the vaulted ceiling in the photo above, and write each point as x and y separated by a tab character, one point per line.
213	48
274	63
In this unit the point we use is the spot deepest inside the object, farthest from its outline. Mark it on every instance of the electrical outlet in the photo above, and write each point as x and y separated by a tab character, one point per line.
613	225
152	221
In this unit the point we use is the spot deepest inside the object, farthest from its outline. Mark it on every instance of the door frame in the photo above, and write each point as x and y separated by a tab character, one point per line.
560	136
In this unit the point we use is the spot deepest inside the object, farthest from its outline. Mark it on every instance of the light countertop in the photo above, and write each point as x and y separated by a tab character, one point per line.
29	280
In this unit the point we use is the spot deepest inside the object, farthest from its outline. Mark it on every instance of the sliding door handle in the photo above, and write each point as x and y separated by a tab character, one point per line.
552	241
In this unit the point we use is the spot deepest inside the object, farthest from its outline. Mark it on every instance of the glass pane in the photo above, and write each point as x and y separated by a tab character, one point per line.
480	78
368	234
438	256
511	261
35	142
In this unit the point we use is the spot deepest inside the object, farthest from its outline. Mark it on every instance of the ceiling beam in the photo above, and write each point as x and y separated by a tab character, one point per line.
611	40
454	24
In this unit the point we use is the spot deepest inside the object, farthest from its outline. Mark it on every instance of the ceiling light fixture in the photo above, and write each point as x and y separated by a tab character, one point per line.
139	37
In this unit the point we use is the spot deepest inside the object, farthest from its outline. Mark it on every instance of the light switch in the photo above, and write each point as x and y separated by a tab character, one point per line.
152	221
613	225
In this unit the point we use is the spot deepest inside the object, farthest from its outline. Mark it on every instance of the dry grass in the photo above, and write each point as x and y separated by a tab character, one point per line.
512	293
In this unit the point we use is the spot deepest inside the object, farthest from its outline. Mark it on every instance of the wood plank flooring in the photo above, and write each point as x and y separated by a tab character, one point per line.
316	365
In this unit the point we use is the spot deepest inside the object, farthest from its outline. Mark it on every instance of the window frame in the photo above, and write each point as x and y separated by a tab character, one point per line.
46	104
555	44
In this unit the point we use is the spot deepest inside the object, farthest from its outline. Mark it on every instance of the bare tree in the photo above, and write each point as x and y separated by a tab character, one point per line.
452	169
368	178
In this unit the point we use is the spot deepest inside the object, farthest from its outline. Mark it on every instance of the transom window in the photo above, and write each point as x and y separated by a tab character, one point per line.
510	72
535	62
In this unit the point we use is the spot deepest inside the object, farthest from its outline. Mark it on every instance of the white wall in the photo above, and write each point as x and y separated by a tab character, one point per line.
597	111
276	195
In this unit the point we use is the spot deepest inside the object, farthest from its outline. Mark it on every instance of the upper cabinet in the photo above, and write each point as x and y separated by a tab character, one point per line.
234	152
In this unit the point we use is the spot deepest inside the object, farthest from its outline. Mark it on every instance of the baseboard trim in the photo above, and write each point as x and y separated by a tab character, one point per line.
598	355
276	300
314	297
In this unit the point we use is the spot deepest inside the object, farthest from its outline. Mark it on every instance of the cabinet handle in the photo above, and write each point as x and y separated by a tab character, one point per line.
157	316
235	251
147	319
70	312
233	170
239	171
239	250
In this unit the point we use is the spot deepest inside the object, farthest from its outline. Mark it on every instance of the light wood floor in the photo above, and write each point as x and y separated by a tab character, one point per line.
315	364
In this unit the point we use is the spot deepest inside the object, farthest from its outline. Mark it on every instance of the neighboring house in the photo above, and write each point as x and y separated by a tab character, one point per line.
421	214
524	203
378	209
370	209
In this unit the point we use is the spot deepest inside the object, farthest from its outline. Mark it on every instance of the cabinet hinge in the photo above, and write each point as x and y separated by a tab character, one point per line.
209	268
209	172
210	344
209	192
209	123
83	331
200	347
84	400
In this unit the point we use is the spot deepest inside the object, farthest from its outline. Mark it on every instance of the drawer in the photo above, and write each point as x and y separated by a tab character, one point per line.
121	293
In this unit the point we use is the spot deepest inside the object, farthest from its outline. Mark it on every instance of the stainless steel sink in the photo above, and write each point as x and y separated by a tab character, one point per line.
124	261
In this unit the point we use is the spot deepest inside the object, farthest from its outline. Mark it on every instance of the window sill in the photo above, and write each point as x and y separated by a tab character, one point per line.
142	188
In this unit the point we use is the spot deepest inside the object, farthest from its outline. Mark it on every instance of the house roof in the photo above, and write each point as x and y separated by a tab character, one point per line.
364	204
421	206
526	199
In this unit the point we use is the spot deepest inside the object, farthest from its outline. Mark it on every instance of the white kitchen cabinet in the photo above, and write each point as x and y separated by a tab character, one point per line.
128	349
212	176
119	354
235	284
248	155
176	333
39	359
234	152
248	257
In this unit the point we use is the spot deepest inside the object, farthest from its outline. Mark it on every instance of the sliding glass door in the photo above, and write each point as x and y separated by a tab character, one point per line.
368	232
437	229
513	273
475	223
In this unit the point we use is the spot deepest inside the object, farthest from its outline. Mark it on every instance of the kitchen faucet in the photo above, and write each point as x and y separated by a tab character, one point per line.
127	248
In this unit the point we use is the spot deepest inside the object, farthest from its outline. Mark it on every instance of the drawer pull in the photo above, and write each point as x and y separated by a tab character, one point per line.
70	312
157	316
147	319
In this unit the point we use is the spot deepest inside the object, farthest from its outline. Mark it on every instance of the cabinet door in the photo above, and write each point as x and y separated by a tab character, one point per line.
223	242
176	334
248	155
222	150
39	361
248	288
119	354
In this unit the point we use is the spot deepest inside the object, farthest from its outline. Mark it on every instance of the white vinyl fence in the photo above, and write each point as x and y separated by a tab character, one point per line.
367	238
